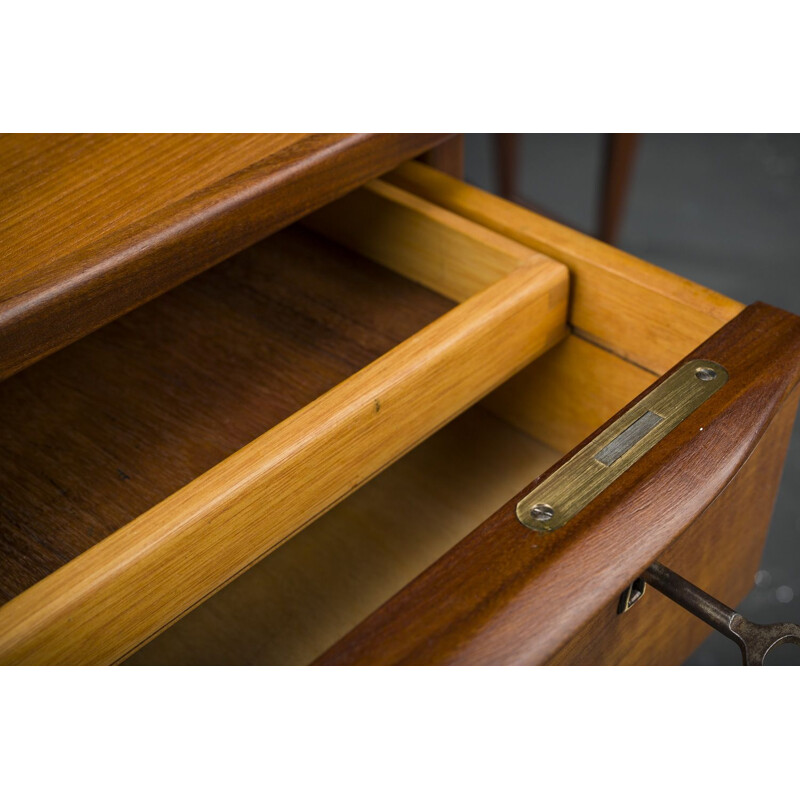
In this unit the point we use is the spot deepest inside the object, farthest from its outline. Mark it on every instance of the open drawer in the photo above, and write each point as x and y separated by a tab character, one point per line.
343	399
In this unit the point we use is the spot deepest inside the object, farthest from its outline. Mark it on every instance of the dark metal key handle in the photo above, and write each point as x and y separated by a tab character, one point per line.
754	640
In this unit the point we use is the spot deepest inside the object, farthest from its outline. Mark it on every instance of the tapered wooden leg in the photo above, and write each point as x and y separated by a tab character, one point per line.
507	154
620	151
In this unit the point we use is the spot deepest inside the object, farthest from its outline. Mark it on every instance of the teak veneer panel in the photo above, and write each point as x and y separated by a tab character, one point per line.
300	599
644	314
105	429
93	225
119	593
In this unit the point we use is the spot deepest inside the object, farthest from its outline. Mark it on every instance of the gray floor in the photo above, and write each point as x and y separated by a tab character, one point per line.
723	210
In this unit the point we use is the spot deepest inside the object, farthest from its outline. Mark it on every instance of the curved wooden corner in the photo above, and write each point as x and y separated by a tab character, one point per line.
507	594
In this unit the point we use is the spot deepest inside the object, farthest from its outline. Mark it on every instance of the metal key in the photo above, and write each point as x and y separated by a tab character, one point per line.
754	640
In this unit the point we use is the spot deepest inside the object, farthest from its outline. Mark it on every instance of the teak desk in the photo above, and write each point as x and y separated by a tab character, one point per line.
263	396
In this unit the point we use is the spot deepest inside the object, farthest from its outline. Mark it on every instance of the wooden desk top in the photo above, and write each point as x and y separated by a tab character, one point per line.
94	225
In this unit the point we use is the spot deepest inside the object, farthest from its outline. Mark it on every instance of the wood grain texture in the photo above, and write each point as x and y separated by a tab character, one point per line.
720	552
94	225
120	592
310	592
457	257
507	595
107	428
441	250
644	314
568	393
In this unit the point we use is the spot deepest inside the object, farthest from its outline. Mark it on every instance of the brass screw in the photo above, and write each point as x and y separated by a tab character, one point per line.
705	373
542	512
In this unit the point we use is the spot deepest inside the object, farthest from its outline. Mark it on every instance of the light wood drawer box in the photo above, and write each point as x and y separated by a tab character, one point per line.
245	469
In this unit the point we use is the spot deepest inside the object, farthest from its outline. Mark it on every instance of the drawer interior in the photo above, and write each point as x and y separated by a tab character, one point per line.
149	463
102	431
301	599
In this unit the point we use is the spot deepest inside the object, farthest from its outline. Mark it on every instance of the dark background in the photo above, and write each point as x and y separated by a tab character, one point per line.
722	210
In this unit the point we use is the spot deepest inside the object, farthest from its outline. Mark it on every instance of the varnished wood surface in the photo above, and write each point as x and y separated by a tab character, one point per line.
720	552
93	225
508	595
314	589
103	430
310	592
122	591
560	398
428	244
640	312
568	393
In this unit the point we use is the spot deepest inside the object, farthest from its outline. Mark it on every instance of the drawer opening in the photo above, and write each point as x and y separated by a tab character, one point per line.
301	599
628	321
139	465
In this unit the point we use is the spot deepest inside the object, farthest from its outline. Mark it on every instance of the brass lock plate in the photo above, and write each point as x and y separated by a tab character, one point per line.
595	466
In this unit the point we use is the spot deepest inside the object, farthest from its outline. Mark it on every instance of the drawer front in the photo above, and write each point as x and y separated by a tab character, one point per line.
516	593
